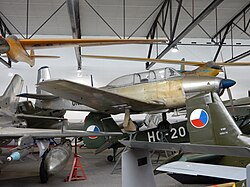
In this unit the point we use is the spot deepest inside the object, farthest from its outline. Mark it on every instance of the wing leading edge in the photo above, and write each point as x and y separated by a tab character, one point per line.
54	43
12	132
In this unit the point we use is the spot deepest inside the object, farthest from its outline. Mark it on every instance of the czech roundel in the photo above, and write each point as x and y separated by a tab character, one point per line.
199	118
93	128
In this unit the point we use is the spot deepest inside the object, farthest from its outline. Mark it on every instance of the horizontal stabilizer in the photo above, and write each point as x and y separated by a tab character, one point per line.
38	56
190	148
38	96
207	170
44	56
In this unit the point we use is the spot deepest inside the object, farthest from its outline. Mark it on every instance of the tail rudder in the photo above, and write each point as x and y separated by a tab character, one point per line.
208	69
9	100
209	122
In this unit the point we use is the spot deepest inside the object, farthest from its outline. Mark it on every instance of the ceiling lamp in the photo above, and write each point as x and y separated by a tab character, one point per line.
79	73
175	49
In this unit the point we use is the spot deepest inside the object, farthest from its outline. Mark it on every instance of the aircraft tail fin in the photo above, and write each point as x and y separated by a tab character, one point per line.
209	122
208	69
9	100
43	75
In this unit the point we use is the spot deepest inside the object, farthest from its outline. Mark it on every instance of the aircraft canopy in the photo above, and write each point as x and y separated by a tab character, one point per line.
144	77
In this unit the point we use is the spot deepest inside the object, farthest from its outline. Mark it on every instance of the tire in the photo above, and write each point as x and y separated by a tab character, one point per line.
43	172
163	126
110	158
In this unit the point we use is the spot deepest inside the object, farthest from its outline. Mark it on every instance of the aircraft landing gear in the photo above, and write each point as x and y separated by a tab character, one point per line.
43	172
44	176
164	125
110	158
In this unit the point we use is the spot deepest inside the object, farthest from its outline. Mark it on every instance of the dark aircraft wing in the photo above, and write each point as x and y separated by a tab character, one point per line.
99	99
13	132
190	148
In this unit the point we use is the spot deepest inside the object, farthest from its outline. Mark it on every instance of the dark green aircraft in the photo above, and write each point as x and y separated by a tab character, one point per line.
215	139
174	133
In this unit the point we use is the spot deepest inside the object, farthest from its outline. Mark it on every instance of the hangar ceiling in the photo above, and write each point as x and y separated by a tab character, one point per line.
174	20
113	12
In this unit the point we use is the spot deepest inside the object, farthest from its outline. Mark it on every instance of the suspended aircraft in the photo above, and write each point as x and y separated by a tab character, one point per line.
16	49
204	69
13	126
214	134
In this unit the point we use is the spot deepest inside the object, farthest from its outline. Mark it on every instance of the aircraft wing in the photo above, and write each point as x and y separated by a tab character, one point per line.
55	43
190	148
98	99
191	63
207	170
238	102
12	132
38	96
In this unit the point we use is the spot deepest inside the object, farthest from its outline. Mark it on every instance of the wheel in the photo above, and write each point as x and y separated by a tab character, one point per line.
110	158
43	172
164	125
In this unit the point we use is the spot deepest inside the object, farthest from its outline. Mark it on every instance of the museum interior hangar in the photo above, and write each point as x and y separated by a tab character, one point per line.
202	31
191	30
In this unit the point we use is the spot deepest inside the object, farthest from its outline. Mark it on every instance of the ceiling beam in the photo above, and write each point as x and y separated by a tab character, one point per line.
74	15
239	57
230	22
193	24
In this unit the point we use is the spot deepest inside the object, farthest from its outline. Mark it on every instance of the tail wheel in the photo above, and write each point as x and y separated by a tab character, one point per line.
110	158
164	125
43	172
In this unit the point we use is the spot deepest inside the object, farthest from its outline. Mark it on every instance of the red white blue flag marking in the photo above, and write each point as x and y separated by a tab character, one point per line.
199	118
93	128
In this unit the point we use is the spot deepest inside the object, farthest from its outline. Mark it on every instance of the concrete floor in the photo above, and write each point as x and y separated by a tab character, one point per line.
97	169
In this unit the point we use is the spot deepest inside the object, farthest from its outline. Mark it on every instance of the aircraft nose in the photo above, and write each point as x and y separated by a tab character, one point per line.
227	83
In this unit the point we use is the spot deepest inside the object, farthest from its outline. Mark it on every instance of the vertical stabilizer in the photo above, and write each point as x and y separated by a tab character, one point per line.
209	122
43	75
9	100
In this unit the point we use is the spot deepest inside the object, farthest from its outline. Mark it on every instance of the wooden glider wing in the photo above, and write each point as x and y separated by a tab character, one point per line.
55	43
169	61
99	99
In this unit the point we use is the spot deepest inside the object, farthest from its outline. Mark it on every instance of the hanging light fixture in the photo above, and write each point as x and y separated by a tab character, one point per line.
175	49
